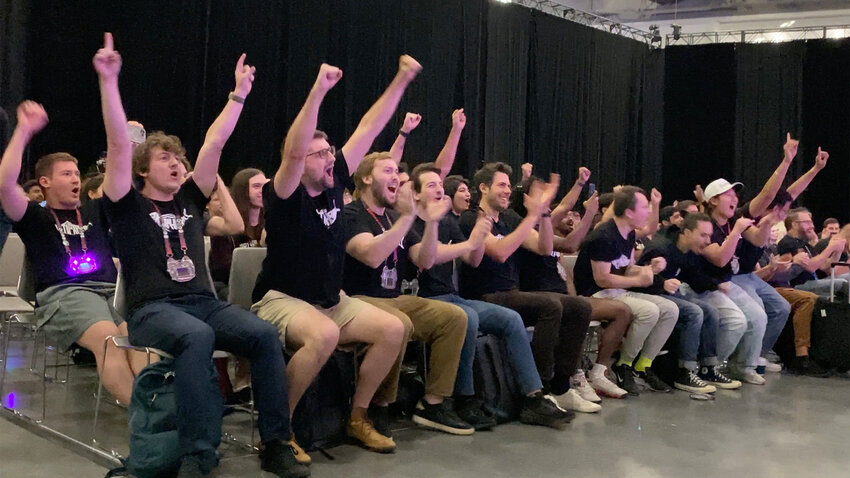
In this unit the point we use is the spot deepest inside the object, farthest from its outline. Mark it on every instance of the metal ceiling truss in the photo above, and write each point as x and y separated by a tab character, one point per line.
761	36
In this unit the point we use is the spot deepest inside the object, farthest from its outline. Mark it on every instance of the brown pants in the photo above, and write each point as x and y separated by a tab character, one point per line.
441	325
802	306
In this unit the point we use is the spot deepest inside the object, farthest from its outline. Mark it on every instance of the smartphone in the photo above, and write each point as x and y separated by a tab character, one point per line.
591	188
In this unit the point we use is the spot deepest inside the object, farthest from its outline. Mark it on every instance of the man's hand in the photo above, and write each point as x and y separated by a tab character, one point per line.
107	61
481	230
655	197
837	243
775	216
645	276
31	117
549	191
527	169
672	285
583	176
801	259
790	148
244	77
405	205
408	67
699	194
820	159
724	287
777	265
411	121
328	77
591	205
433	211
741	225
658	264
458	119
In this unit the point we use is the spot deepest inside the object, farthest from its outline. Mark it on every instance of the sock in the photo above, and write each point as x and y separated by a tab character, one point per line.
359	413
598	370
642	364
560	384
625	361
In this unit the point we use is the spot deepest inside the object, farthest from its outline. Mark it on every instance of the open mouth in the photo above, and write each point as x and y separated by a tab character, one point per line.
391	189
76	191
175	174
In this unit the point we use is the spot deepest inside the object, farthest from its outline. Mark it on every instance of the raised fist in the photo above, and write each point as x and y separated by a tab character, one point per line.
244	77
328	77
408	67
655	197
405	204
458	119
699	194
583	175
411	121
658	264
820	159
742	224
481	230
790	147
31	117
801	258
107	61
527	169
645	276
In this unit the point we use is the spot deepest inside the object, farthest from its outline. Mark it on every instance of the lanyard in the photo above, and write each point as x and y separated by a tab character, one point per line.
165	238
395	251
62	233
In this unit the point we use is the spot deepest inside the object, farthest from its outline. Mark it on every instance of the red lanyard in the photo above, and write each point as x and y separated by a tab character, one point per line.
62	233
165	238
395	251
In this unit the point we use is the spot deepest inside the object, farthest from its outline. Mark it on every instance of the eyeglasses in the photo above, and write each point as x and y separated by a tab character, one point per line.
331	151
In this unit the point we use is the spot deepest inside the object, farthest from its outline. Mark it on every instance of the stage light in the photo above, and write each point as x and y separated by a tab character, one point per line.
788	24
677	31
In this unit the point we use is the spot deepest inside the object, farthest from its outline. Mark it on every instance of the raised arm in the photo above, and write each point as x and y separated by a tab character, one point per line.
230	222
411	121
446	158
760	203
541	240
571	198
374	121
31	119
297	142
803	182
572	241
119	151
721	254
206	166
652	220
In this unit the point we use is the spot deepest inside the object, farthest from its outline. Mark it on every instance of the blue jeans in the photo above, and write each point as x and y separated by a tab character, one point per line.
777	308
697	326
492	319
5	228
742	324
822	287
190	328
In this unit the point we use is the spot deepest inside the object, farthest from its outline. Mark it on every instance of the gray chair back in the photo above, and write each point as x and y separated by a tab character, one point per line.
11	261
246	265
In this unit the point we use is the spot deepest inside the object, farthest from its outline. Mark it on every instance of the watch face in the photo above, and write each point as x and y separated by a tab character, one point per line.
137	133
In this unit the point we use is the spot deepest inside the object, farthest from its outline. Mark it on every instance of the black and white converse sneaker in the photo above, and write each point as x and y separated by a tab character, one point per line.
714	375
690	382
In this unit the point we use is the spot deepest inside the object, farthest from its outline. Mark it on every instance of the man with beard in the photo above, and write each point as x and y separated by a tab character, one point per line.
379	244
306	236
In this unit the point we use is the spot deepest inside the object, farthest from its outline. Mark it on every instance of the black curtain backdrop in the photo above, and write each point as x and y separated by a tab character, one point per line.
728	108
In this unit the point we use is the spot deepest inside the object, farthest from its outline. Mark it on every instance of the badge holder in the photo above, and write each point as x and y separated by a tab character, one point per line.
81	264
182	270
389	278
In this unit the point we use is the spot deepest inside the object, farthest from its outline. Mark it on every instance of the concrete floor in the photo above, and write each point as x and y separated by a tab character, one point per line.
793	426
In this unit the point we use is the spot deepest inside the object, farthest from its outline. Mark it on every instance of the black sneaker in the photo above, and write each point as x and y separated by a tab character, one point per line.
716	375
440	417
626	379
471	410
653	381
380	417
539	410
806	366
690	382
278	457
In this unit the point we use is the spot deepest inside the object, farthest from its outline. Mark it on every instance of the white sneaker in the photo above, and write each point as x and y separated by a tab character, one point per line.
769	366
606	388
578	382
752	377
573	401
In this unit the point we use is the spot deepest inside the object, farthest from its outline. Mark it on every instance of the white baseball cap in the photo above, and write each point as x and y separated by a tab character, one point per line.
720	186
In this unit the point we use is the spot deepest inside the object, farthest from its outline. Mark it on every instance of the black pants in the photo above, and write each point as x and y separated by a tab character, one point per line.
560	325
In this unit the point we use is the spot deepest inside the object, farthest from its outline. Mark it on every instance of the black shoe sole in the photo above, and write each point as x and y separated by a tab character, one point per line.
535	419
289	473
432	425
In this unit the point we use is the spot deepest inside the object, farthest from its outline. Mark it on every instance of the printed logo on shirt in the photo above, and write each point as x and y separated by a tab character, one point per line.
328	217
499	236
171	222
621	262
70	229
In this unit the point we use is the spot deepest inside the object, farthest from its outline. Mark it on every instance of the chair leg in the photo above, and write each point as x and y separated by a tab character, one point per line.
7	322
100	392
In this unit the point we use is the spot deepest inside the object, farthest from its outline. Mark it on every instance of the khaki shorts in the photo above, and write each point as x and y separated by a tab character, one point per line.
278	309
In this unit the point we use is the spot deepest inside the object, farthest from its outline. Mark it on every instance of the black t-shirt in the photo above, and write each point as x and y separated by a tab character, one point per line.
306	238
438	279
360	279
819	248
792	245
684	266
604	244
137	229
490	276
46	254
746	254
540	273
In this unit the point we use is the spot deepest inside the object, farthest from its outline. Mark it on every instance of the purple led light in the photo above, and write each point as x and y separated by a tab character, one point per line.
82	264
10	400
